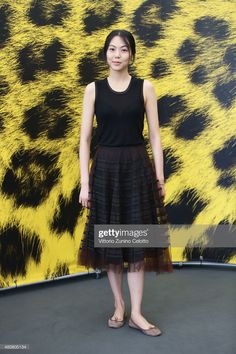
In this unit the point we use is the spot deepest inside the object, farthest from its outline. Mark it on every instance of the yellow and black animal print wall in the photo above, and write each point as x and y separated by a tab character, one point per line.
49	51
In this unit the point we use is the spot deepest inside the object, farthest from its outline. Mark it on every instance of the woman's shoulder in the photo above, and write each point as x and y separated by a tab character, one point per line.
89	91
147	86
146	83
90	87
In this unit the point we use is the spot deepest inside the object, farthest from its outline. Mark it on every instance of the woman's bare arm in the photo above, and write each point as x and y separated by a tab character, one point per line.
86	132
153	128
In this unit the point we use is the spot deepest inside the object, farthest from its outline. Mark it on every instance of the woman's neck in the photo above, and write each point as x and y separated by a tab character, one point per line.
119	76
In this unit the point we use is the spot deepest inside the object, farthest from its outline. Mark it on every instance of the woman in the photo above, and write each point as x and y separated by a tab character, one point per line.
122	187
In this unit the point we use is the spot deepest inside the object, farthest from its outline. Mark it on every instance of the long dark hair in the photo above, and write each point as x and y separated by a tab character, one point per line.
126	36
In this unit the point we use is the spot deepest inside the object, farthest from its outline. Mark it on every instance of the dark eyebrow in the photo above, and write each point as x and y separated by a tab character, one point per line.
125	45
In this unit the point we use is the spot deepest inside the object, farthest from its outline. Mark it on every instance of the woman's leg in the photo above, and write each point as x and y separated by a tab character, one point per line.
115	278
136	283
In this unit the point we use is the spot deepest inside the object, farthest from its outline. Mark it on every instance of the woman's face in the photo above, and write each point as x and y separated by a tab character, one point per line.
118	54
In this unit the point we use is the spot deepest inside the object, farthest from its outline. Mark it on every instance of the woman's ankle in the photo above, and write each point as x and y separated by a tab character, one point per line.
119	303
134	313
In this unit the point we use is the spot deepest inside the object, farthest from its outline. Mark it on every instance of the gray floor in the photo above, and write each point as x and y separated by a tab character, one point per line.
195	309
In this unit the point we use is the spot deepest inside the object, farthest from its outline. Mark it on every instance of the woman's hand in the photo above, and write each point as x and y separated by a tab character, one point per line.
161	189
84	197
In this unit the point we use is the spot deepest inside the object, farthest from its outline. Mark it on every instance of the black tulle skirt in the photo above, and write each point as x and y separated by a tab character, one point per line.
123	190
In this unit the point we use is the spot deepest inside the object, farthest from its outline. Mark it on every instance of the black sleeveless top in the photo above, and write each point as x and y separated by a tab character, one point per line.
119	115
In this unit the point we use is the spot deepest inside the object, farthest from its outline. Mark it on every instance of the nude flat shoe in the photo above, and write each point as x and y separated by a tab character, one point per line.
116	323
152	331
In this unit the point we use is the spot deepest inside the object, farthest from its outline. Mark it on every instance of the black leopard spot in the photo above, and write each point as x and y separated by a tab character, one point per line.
169	107
5	14
188	51
60	128
31	177
1	123
61	270
209	254
4	86
230	57
191	125
101	15
35	121
225	157
48	13
66	217
226	181
208	26
28	63
199	75
53	56
149	17
172	164
160	68
41	120
17	249
55	99
87	70
225	93
186	209
32	60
